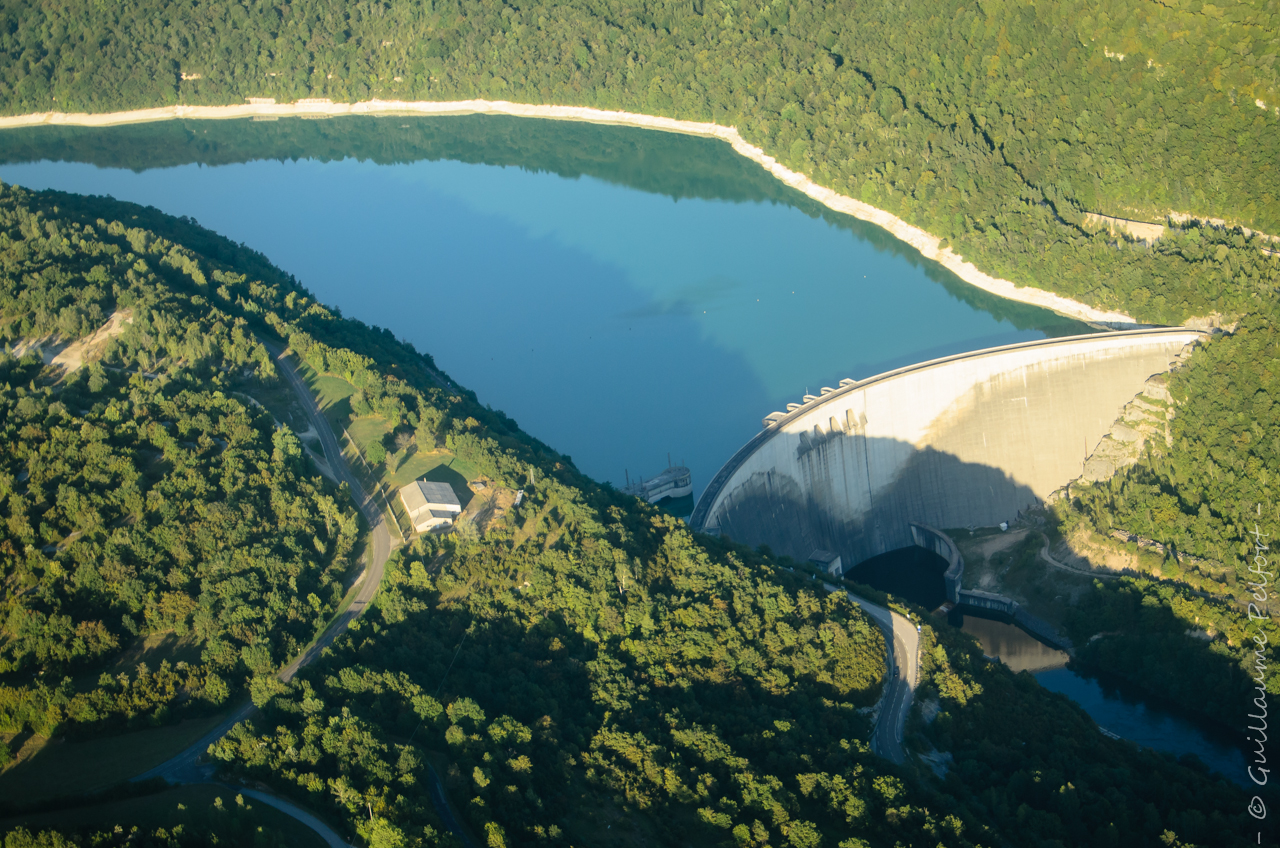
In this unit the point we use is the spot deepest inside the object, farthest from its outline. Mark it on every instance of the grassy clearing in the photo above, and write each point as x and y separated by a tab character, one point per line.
331	392
50	768
414	465
329	389
155	648
193	808
366	430
150	650
383	480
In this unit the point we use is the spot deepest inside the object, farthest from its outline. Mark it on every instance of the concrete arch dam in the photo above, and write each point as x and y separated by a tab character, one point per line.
965	440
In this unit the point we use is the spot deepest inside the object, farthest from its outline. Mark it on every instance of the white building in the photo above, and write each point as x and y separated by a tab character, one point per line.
430	504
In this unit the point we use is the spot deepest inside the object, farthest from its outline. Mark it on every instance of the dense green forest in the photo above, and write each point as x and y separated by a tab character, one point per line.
583	670
993	125
142	494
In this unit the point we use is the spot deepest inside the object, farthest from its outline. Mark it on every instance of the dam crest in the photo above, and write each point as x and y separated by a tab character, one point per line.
966	440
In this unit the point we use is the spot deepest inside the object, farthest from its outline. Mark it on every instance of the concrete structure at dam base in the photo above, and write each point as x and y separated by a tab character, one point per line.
964	441
941	544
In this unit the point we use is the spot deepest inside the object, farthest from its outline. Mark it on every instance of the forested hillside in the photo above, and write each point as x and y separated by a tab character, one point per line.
993	125
583	670
142	492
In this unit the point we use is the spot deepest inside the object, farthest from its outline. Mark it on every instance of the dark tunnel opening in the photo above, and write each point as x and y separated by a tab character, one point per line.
913	573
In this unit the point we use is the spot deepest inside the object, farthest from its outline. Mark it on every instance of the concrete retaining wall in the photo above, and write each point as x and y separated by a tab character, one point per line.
941	544
987	601
962	441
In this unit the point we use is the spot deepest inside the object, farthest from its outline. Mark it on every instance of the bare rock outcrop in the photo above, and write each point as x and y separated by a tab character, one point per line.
1146	417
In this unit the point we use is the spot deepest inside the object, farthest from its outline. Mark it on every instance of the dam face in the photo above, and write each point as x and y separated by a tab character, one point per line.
966	440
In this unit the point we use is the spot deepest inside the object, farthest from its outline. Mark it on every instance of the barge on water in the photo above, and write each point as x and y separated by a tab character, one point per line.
675	482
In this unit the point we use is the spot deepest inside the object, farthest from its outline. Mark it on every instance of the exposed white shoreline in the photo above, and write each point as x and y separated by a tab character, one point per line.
919	239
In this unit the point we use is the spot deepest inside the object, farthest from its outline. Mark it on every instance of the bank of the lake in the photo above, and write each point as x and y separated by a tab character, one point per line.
930	246
659	293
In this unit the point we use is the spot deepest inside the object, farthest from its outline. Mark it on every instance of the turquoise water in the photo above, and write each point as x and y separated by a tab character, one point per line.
623	294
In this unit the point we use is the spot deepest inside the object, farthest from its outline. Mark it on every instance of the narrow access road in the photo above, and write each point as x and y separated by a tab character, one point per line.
1097	575
381	537
185	767
902	642
440	801
328	834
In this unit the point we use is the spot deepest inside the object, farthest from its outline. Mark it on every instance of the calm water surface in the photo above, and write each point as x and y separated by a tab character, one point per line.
622	294
1118	711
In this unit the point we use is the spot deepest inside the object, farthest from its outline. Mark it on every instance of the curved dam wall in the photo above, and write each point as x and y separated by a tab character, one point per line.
965	440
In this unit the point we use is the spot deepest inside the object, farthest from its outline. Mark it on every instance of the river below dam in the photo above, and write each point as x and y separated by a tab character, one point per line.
623	294
915	574
1112	705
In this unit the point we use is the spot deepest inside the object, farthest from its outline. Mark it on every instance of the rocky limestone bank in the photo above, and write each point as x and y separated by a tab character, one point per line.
929	245
1147	416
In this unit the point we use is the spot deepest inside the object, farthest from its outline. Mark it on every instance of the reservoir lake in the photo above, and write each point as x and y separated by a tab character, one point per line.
623	294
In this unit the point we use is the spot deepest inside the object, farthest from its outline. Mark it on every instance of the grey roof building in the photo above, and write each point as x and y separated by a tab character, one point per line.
430	504
827	560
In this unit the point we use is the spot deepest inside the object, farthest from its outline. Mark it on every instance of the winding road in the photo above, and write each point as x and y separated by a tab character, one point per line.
186	766
380	549
902	642
901	637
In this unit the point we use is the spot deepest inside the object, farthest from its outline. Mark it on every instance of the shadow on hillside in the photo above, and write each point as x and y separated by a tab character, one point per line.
443	473
546	673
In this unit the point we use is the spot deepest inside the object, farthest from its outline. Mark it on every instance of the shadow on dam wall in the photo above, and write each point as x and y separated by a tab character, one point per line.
967	440
795	517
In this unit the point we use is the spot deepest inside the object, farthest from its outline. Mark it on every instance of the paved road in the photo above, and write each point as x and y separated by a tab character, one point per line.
381	548
902	641
186	766
327	833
